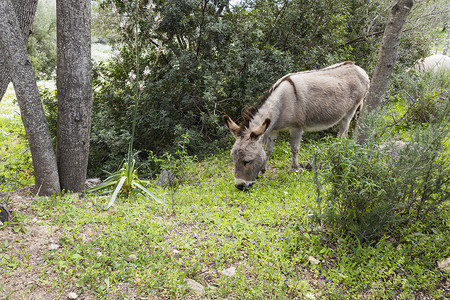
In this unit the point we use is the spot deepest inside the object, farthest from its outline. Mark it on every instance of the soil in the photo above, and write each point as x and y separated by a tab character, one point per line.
24	273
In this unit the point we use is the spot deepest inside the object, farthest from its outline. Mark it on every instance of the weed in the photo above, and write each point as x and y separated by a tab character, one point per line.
15	158
265	234
126	179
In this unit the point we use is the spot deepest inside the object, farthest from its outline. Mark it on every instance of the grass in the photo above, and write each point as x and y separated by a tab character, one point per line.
16	169
141	249
15	157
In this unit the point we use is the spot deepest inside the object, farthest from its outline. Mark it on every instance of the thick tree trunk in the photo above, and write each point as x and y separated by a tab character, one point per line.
387	57
74	85
25	12
19	67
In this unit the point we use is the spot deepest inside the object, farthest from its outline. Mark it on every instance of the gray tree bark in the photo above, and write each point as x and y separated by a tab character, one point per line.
74	86
25	11
21	73
387	57
447	43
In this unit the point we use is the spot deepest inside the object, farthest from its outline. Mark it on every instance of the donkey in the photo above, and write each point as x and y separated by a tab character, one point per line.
300	102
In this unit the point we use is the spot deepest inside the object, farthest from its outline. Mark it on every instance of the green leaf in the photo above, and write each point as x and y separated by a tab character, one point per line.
76	256
145	190
116	192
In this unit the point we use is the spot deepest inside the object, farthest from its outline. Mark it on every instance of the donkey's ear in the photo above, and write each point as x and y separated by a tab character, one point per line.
260	130
234	128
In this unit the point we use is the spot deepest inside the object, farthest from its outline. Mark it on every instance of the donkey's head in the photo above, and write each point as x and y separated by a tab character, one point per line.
248	152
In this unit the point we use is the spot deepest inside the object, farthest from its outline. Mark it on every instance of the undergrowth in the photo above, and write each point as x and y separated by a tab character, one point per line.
15	157
141	249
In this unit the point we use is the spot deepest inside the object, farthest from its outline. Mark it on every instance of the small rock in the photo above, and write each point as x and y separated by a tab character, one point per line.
72	295
5	215
166	178
231	271
45	229
91	182
444	265
132	257
53	247
313	260
195	286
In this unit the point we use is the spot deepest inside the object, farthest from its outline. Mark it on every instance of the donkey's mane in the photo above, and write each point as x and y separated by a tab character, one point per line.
249	113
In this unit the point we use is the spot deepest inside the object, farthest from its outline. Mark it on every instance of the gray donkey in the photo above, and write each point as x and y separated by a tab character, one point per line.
301	102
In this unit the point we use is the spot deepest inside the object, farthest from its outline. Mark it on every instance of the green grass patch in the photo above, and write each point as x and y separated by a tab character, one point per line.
139	248
15	158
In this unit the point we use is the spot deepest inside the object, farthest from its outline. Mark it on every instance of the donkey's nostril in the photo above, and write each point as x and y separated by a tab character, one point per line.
240	186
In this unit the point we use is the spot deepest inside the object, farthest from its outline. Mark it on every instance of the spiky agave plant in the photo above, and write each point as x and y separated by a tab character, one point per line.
126	178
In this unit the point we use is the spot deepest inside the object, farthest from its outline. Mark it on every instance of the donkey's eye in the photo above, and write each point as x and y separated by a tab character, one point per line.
246	162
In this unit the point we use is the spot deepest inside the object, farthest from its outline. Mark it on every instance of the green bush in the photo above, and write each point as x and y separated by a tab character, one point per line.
209	59
16	168
42	41
428	97
416	99
50	103
367	190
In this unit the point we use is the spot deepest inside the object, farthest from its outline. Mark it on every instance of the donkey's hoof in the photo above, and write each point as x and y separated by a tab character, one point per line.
307	166
293	169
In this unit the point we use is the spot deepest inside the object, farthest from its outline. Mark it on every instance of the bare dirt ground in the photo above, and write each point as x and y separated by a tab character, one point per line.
24	273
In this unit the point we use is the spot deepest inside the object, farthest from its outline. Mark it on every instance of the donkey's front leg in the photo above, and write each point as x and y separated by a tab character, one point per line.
271	140
296	138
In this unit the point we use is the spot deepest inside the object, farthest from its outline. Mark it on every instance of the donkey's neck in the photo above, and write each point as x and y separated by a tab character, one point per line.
269	109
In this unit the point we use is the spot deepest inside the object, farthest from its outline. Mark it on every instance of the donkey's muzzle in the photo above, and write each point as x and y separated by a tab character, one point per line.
243	185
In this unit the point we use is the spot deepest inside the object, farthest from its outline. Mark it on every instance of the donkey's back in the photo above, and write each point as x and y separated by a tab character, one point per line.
317	100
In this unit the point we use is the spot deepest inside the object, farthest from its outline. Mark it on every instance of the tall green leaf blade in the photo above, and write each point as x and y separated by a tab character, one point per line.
116	192
145	190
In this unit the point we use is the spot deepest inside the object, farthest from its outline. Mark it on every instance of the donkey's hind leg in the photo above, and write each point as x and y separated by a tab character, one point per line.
345	122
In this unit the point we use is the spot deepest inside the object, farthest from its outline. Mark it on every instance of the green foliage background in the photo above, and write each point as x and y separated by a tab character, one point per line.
42	41
209	58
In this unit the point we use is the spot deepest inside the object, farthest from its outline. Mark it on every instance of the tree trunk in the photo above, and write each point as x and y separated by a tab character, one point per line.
387	57
25	12
447	43
74	86
21	72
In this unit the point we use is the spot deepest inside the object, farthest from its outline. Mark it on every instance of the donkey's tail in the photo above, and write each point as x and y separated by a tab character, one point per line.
361	110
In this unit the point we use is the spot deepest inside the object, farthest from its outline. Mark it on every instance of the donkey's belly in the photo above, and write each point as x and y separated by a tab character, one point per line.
319	126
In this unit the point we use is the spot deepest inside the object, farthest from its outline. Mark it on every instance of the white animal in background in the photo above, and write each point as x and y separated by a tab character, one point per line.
433	63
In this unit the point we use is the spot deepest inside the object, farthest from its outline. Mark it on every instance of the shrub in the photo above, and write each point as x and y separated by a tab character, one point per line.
424	95
209	59
42	41
366	190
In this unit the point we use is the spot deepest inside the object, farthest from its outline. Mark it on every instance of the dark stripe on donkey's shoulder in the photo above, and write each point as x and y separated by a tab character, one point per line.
249	113
288	79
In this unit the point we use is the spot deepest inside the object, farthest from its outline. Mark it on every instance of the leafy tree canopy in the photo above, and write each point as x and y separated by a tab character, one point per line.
208	58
